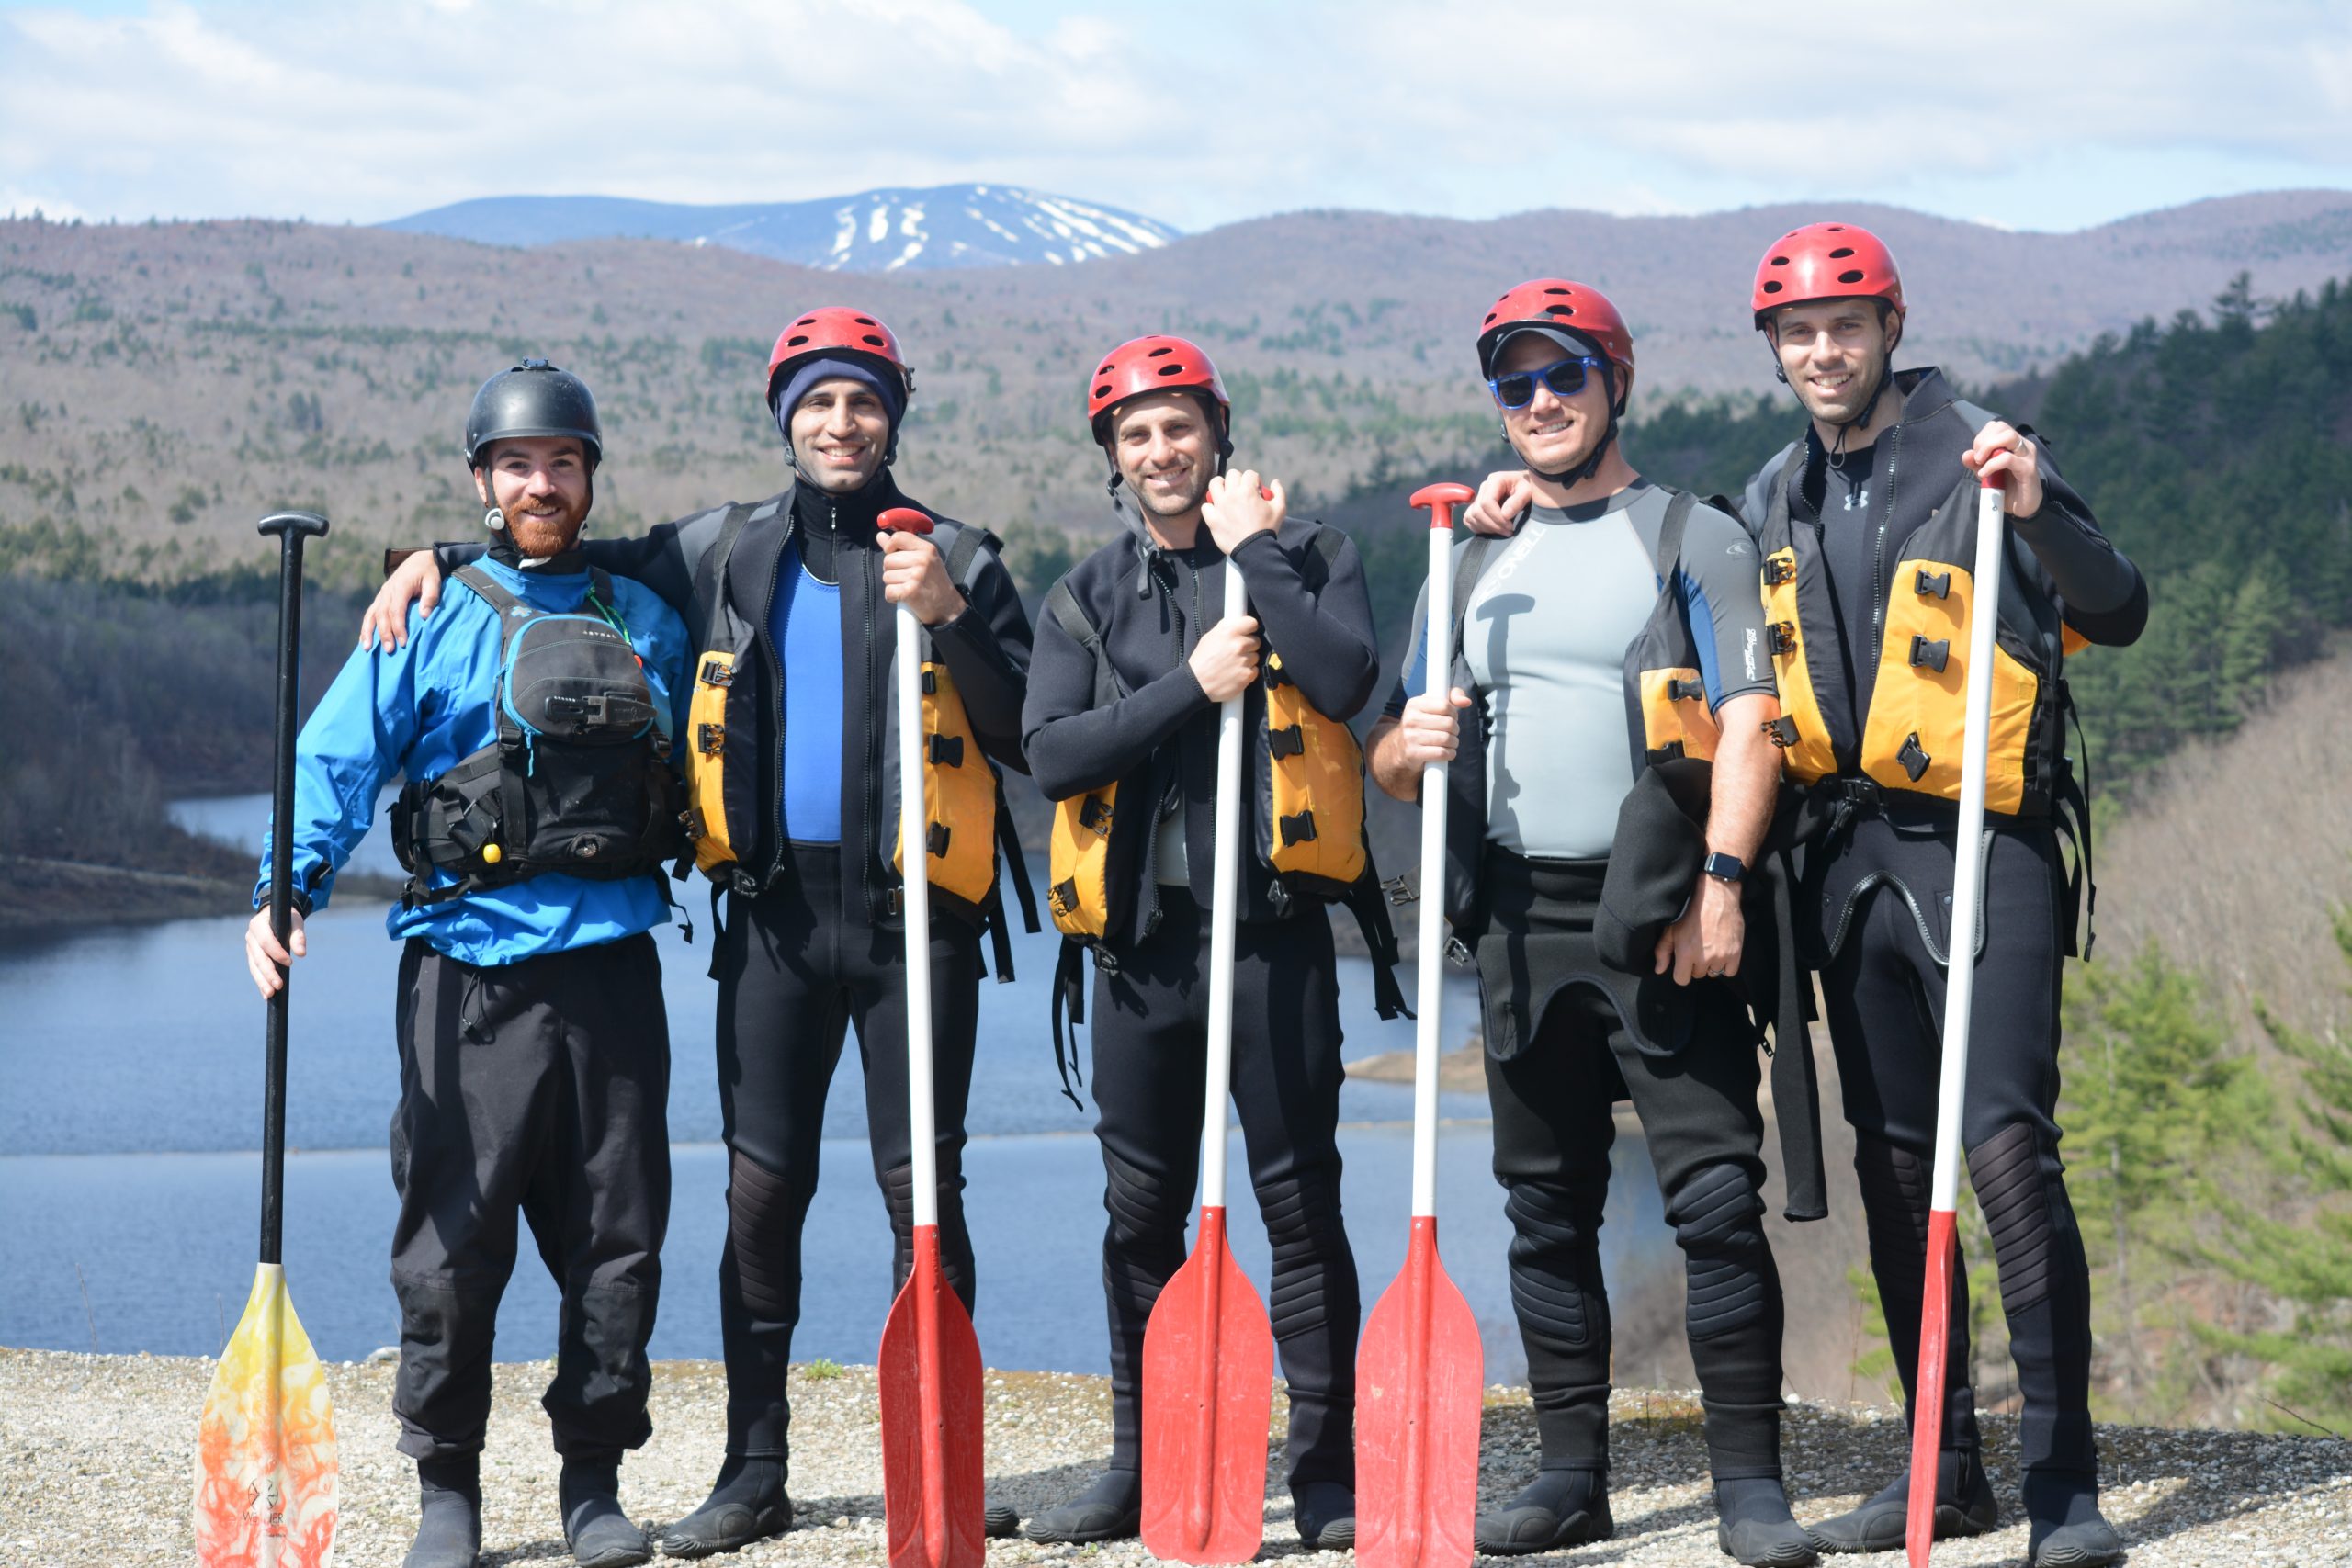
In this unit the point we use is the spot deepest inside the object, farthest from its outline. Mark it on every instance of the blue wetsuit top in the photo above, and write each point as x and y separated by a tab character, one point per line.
421	709
805	628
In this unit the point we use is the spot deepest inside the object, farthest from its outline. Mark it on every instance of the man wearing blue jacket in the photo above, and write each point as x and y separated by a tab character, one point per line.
533	719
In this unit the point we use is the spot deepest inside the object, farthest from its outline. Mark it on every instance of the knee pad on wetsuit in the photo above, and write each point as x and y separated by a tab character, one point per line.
1146	1211
1718	1219
762	1219
2020	1204
1555	1262
954	1240
1302	1227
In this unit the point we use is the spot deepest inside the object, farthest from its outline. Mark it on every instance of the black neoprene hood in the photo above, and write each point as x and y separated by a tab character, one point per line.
533	398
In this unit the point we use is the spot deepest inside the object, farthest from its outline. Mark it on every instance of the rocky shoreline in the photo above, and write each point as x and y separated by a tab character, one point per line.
96	1454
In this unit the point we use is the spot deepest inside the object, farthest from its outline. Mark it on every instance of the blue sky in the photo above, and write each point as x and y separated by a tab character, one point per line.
2053	116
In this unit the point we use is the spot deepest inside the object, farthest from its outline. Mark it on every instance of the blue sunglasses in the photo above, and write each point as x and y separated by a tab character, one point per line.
1565	377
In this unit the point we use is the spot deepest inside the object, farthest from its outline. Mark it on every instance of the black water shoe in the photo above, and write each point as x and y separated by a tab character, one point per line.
596	1526
748	1503
2064	1529
1753	1524
449	1524
1559	1507
1111	1509
999	1522
1326	1513
1965	1505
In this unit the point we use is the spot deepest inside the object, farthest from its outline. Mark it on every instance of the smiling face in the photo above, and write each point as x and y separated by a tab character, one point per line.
541	482
1553	435
840	431
1164	445
1835	353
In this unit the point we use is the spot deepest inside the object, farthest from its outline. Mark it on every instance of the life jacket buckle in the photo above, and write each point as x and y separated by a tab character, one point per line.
717	672
1780	636
710	738
1930	654
1914	759
1299	830
1932	583
931	682
1288	741
936	839
1095	818
1679	690
1669	752
1778	568
1401	892
947	751
1780	731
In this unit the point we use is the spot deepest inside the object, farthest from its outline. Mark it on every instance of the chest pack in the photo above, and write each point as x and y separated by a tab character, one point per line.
577	779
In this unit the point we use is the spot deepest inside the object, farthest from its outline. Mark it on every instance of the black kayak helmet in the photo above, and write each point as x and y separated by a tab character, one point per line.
533	398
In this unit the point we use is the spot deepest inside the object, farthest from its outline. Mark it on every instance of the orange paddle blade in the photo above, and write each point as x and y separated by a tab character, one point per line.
1420	1389
1208	1369
265	1451
930	1376
1927	1388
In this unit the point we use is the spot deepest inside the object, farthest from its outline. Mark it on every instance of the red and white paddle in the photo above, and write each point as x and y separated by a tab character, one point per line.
1420	1371
1983	611
1208	1351
930	1360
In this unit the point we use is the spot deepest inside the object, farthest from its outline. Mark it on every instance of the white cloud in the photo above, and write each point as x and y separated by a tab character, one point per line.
1196	114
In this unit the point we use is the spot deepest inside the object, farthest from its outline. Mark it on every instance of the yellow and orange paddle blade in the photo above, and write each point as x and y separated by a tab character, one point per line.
265	1456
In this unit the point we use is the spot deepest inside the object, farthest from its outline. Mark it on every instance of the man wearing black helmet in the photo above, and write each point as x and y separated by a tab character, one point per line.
535	1054
1140	623
1611	676
793	800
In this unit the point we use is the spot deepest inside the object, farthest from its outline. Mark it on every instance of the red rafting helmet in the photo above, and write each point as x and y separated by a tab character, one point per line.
1155	363
1569	307
836	329
1826	261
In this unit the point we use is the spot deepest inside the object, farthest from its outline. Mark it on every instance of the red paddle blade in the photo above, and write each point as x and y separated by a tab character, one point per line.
930	1376
1927	1388
1208	1368
1420	1388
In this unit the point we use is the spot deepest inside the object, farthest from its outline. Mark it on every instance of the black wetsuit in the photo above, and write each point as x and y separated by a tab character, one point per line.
1150	992
1879	892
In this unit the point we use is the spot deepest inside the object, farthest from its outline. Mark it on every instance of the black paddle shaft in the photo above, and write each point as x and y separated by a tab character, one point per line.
292	529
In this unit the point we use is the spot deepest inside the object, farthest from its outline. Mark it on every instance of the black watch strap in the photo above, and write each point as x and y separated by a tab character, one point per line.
1724	868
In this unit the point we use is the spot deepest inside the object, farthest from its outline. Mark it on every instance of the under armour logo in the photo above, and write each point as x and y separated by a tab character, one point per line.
1859	500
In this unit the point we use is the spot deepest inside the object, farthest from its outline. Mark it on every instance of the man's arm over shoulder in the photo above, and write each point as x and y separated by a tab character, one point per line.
1073	746
1317	617
987	649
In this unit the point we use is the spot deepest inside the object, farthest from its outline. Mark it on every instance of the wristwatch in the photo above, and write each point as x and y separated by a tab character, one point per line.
1724	868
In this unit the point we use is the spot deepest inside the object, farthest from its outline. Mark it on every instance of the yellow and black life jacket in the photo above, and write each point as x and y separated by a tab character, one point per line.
1910	735
969	821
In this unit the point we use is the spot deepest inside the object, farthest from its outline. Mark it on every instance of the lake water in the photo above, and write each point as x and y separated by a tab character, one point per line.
130	1091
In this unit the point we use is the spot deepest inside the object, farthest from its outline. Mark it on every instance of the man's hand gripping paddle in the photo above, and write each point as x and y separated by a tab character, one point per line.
1983	611
930	1360
1208	1351
1419	1372
265	1451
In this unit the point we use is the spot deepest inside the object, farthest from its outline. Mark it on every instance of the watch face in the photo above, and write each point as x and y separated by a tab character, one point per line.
1726	867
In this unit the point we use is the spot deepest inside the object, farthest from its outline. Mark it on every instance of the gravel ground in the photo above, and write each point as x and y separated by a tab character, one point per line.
95	1456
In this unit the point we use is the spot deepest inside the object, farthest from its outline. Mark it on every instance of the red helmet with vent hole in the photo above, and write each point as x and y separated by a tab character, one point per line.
1826	261
1556	302
835	329
1155	363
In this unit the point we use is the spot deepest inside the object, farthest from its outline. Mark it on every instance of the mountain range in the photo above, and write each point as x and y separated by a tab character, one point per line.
942	228
173	381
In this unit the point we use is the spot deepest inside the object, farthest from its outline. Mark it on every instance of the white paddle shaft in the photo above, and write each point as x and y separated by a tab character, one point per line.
1968	848
1224	915
1437	681
914	856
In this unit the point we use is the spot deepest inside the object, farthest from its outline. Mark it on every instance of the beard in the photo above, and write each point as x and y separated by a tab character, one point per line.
1171	503
540	537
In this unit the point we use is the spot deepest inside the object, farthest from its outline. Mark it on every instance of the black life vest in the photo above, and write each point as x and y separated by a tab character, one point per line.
578	780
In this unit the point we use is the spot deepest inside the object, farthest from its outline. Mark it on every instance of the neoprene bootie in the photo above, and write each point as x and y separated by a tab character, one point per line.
1753	1524
1326	1513
448	1523
746	1503
596	1526
1965	1505
1559	1507
1111	1509
999	1521
2064	1528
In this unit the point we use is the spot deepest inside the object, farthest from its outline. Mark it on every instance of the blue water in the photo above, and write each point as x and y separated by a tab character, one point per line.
130	1089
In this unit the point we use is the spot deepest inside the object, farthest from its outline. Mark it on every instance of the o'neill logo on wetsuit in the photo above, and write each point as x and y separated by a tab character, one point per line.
1747	653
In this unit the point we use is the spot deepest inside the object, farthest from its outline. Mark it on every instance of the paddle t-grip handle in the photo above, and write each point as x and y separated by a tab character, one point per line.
291	529
1441	499
903	520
